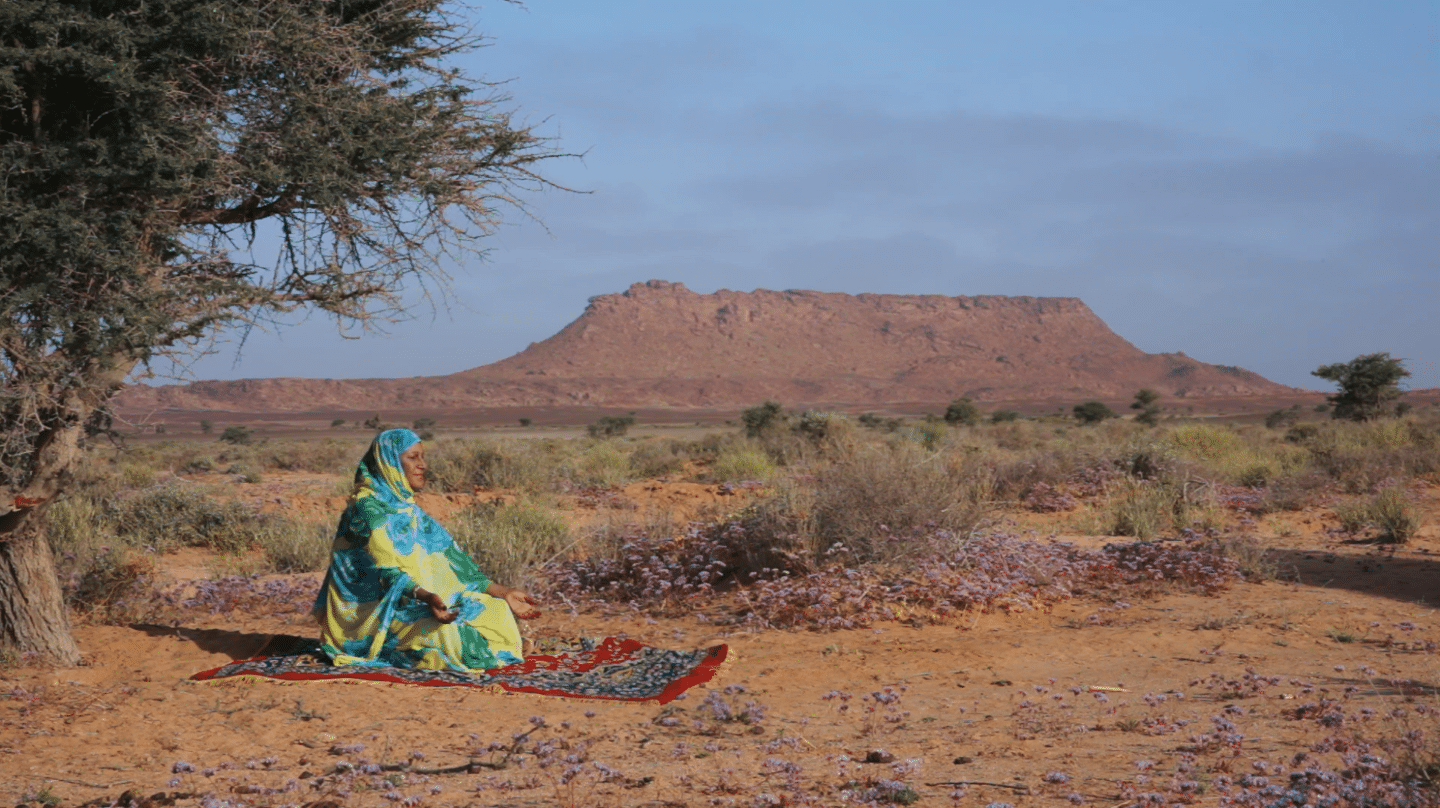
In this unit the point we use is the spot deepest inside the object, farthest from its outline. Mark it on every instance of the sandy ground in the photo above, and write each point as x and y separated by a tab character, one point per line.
995	701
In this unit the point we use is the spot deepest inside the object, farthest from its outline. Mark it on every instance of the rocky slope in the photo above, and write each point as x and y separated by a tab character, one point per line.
659	344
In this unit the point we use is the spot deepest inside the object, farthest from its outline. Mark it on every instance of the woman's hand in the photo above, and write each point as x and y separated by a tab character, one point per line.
442	612
521	604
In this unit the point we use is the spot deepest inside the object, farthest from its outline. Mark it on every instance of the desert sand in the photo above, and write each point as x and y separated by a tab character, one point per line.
1084	702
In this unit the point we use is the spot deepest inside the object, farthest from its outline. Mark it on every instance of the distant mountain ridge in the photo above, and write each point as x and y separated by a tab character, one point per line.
659	344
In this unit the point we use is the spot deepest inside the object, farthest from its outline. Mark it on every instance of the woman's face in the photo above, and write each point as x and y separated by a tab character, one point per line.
412	462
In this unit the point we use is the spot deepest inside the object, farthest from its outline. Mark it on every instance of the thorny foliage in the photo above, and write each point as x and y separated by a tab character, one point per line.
150	152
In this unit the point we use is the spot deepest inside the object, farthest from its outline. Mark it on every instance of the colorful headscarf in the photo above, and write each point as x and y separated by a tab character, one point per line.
382	476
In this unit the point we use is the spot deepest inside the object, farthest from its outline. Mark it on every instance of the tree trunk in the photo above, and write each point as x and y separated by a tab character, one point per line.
33	618
32	605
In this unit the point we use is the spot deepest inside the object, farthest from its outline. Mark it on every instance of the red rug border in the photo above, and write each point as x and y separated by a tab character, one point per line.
714	661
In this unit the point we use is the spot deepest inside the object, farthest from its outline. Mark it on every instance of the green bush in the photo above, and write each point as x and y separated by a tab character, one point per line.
1277	419
1204	442
181	514
1389	511
513	542
611	426
820	426
1092	412
873	498
1145	508
659	457
328	456
1369	386
1148	412
602	464
463	465
237	435
742	463
762	418
296	544
929	434
962	412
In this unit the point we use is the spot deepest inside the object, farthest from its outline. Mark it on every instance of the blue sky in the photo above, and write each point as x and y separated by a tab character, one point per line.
1252	183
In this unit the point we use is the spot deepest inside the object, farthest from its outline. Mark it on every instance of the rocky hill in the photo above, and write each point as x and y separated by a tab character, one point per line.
660	345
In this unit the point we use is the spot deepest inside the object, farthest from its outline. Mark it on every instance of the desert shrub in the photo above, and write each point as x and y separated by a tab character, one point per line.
111	586
1204	442
1363	457
1147	411
610	426
513	543
295	543
1389	511
1140	508
870	498
928	433
603	464
1145	508
962	412
1026	436
196	465
760	419
1004	416
328	456
463	465
1092	412
246	473
180	514
1396	517
820	426
870	420
104	578
1253	560
743	463
659	457
1277	419
136	475
709	446
1296	492
238	435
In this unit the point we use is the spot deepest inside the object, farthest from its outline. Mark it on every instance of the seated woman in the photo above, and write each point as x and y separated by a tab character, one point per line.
399	592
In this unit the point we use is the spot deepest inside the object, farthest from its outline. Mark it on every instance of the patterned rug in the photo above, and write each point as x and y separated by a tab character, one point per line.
612	668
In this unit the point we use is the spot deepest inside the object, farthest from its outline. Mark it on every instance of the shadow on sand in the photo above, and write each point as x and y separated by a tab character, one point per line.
235	644
1371	571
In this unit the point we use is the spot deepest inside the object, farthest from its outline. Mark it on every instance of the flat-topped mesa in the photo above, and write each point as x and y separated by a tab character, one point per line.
659	344
659	329
876	347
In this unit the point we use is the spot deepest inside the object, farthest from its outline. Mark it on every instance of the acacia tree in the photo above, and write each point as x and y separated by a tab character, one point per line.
145	146
1369	386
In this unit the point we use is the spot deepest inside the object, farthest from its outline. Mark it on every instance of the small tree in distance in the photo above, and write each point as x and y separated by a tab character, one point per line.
759	419
1149	411
1092	412
611	426
962	412
1369	385
237	435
